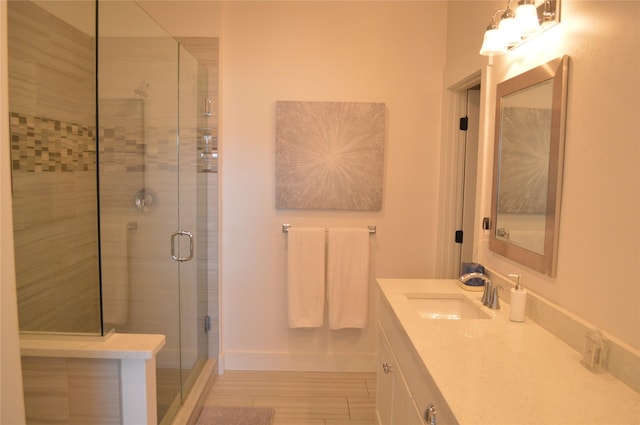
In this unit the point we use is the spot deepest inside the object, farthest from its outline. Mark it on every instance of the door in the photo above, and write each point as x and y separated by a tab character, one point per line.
194	144
138	150
459	170
149	110
470	166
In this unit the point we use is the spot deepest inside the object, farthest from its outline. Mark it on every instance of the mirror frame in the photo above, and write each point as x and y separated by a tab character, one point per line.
556	70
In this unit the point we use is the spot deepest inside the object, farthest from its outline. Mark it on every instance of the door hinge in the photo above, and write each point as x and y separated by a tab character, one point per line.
464	123
207	323
458	238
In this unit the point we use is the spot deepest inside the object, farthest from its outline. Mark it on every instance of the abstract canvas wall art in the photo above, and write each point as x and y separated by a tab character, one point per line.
329	155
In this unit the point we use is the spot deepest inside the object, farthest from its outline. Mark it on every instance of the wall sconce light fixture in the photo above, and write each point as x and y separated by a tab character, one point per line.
508	29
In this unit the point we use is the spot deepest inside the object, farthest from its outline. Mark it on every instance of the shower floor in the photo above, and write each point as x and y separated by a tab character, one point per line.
167	393
168	389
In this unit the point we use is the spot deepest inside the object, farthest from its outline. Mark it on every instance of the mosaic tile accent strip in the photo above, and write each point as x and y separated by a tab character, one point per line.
329	155
125	148
45	145
122	137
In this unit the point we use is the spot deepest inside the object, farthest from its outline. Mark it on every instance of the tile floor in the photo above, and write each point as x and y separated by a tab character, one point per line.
300	398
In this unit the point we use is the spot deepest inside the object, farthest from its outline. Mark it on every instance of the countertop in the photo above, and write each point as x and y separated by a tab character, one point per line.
110	346
495	371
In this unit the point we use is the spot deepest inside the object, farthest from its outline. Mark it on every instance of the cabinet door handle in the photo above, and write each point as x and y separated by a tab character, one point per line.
387	368
430	415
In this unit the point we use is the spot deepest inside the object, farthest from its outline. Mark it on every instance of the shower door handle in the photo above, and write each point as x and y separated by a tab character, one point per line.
173	246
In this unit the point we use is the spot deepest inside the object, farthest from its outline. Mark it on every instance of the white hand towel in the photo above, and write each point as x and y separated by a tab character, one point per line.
305	277
348	278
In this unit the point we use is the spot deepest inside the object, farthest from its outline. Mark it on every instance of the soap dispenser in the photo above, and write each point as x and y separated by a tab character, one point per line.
518	300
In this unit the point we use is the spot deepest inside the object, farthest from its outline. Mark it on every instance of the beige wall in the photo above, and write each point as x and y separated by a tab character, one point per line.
195	18
599	255
322	51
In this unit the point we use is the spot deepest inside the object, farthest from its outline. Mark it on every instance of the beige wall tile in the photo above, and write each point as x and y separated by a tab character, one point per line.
94	391
45	390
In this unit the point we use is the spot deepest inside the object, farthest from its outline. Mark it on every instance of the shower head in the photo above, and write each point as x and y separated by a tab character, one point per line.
141	91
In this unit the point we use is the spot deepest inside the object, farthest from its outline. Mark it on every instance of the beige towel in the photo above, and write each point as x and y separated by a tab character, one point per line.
348	278
305	277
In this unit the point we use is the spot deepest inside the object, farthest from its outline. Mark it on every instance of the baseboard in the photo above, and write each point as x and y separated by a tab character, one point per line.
306	362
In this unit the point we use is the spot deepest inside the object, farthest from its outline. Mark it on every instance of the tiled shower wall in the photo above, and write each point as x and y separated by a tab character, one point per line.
53	131
52	106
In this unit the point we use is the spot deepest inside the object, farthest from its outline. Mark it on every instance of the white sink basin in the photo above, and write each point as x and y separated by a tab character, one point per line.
446	306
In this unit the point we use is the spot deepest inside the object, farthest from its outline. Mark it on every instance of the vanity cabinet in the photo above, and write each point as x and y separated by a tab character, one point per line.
405	390
394	404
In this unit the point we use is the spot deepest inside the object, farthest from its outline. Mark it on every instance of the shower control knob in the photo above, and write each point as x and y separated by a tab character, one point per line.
145	200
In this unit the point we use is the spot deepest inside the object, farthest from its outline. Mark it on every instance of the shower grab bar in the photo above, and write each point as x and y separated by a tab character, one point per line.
286	227
173	246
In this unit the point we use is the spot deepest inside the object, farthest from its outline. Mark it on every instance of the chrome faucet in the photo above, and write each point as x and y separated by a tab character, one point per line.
490	294
494	302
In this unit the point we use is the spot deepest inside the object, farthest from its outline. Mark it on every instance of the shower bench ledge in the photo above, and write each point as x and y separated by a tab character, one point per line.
134	374
110	346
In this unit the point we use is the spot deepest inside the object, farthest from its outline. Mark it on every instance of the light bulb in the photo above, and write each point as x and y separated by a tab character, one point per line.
493	43
527	18
509	28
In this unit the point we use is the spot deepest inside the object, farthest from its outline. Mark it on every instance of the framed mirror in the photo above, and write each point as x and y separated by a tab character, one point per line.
527	167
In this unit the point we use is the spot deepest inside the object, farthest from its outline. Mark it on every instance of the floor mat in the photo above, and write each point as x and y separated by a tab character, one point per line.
214	415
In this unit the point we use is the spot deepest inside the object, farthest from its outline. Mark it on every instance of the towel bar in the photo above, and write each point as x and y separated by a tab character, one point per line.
286	227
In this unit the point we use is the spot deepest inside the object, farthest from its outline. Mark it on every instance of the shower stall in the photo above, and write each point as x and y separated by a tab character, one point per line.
114	160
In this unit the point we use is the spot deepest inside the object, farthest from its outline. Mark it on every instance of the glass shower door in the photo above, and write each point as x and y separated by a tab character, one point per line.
148	100
193	136
138	158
